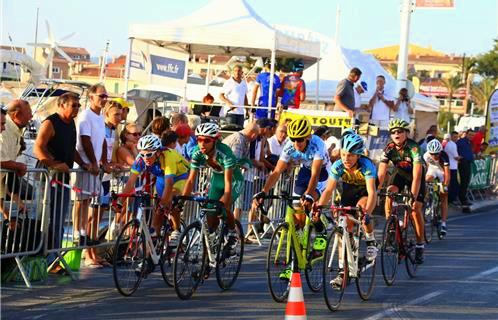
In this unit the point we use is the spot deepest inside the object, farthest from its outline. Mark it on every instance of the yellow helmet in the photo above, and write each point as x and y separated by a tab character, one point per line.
124	104
299	128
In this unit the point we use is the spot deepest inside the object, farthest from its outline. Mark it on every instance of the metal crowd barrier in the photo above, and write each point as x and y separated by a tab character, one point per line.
24	215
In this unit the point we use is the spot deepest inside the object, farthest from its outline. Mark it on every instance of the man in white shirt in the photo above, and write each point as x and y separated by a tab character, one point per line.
380	104
234	95
278	140
452	151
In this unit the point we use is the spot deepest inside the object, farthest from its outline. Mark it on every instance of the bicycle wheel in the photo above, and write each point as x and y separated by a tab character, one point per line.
429	213
129	263
314	267
365	279
389	253
335	270
228	267
409	242
168	254
279	263
190	261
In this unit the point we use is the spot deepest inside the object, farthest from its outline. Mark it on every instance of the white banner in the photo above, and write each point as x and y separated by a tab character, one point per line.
150	64
492	122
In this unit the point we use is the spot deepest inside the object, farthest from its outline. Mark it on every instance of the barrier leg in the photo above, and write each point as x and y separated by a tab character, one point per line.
66	266
23	272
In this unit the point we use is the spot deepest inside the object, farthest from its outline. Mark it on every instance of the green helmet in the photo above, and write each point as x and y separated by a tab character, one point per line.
399	124
320	243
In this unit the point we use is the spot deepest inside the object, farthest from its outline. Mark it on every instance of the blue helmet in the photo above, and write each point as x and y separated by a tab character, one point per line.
353	143
298	66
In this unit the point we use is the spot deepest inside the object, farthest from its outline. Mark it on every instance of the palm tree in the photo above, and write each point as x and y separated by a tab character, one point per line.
468	68
452	84
482	91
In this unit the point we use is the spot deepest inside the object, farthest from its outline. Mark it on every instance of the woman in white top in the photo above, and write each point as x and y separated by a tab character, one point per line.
402	107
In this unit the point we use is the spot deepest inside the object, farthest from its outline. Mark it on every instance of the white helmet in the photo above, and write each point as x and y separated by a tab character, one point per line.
208	129
434	146
149	142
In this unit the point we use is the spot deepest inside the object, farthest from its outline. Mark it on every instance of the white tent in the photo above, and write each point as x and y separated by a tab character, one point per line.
225	27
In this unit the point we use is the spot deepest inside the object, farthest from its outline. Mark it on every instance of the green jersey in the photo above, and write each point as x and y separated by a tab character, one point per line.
403	158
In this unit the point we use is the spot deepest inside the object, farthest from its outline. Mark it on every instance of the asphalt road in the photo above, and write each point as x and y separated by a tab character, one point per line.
459	280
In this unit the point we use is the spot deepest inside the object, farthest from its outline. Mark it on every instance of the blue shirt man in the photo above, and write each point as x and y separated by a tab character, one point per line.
263	82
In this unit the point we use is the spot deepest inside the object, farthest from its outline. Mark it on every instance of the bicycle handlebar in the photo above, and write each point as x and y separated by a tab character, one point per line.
199	199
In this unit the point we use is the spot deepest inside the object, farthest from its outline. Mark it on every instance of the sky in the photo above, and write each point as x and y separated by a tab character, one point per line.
364	24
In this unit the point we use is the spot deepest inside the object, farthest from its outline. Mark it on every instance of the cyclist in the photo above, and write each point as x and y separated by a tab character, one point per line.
438	167
226	180
358	174
167	169
311	152
405	155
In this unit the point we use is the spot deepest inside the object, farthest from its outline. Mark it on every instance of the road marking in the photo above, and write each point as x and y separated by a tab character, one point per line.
484	273
385	313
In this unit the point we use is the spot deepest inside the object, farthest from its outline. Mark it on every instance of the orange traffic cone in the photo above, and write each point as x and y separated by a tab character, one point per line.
295	309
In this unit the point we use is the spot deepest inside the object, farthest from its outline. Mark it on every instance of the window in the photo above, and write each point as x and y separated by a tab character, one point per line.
56	70
76	57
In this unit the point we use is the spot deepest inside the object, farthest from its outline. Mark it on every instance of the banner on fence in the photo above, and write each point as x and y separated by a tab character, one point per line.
480	173
319	118
492	123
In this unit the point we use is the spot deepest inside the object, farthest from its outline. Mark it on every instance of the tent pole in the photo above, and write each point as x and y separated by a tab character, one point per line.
270	94
127	69
317	89
208	74
404	41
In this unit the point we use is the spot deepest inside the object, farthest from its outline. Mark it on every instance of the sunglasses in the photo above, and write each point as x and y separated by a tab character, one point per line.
205	139
397	131
297	139
101	96
147	155
135	134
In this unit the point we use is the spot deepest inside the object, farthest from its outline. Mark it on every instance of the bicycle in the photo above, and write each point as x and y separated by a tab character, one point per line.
432	211
398	238
345	257
195	255
286	248
136	252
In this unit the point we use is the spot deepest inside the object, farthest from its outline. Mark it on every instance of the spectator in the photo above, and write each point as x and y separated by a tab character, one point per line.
277	142
380	104
127	151
239	142
55	148
345	94
323	132
359	90
193	122
464	148
451	149
263	82
125	106
234	96
18	116
430	134
92	148
178	119
184	133
3	114
267	128
478	140
159	125
446	138
482	151
206	108
169	139
403	107
293	88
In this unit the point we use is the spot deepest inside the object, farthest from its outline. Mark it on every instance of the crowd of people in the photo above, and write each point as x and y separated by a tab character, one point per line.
99	141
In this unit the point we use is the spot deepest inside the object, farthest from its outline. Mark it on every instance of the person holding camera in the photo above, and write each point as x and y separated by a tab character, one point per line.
381	104
402	107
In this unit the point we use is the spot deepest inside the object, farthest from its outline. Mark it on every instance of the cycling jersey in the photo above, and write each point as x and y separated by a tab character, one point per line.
315	150
365	170
151	174
174	165
442	161
225	159
292	86
405	158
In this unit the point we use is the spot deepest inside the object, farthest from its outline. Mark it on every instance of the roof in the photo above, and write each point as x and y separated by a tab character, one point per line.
10	48
391	52
75	50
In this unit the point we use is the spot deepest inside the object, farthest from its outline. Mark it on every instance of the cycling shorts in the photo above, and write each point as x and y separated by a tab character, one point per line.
435	172
217	188
352	194
303	180
400	180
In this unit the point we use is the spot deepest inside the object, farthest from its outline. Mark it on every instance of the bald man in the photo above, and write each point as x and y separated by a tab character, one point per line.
18	116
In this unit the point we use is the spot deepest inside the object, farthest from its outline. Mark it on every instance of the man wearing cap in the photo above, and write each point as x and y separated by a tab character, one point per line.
263	82
125	105
359	90
345	98
293	88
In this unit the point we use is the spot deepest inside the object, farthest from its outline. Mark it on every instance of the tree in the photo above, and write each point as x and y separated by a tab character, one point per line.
481	91
487	63
468	69
452	84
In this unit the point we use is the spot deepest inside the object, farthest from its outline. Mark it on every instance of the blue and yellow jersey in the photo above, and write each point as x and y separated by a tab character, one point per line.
174	165
365	169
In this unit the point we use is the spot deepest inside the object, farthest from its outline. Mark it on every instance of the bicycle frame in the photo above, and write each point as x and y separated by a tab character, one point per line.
302	260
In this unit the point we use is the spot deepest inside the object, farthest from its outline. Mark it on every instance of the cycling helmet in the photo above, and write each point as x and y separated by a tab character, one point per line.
320	243
434	146
299	128
208	129
347	132
398	124
353	143
298	66
149	142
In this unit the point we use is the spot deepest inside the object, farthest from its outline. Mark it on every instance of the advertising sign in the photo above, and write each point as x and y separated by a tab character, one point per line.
435	4
492	123
480	169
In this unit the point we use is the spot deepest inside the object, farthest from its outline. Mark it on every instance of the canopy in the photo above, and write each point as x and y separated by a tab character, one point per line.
337	62
225	27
